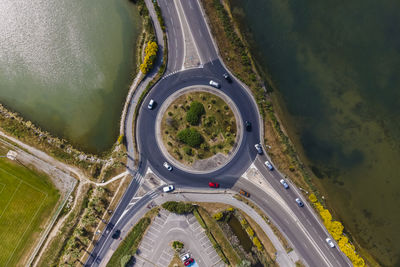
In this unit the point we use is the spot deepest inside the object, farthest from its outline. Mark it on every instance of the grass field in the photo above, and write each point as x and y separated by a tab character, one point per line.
27	200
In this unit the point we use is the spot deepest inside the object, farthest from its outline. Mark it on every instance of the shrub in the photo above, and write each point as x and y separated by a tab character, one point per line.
196	110
257	243
218	216
250	231
191	137
149	58
178	207
187	150
177	245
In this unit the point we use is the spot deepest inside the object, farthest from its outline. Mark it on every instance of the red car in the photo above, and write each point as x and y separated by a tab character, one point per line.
211	184
188	261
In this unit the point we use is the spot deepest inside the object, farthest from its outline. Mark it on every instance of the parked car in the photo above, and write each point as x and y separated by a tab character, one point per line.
212	184
227	77
330	242
285	185
215	84
116	234
299	202
167	166
248	126
258	148
269	165
244	193
151	104
168	188
188	261
185	257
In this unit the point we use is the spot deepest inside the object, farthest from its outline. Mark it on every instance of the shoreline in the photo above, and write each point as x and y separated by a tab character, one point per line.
287	156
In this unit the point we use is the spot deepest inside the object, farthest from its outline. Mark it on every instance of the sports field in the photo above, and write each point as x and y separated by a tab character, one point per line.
27	200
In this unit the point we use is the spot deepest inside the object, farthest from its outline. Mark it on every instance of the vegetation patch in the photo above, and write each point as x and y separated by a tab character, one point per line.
178	207
124	254
27	201
198	125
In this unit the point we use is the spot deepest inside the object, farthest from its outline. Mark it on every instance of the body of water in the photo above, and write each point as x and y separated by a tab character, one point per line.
67	65
336	66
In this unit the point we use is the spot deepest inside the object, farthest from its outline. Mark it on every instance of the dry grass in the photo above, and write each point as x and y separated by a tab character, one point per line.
176	262
217	127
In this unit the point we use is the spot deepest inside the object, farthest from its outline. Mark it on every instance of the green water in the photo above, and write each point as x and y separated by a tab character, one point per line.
67	65
336	66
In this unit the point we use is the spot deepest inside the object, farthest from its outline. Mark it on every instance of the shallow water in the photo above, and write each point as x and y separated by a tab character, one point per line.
67	65
336	66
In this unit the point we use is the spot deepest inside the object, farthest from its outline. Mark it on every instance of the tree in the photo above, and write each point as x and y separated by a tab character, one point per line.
191	137
196	110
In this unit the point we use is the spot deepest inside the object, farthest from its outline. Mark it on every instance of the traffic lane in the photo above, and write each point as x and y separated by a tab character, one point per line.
174	35
284	222
289	195
134	185
199	30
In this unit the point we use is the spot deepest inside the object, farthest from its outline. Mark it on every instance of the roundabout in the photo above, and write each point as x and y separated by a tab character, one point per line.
148	131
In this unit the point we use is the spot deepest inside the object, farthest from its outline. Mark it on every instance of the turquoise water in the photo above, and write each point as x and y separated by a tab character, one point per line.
336	66
67	65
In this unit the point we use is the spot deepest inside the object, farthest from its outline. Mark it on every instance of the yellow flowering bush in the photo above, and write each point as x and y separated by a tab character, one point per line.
150	56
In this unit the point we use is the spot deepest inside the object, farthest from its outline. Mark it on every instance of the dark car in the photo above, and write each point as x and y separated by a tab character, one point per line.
244	193
248	126
299	202
227	77
215	185
116	234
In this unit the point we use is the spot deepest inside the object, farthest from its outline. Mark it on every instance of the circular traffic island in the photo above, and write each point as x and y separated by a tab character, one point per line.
199	129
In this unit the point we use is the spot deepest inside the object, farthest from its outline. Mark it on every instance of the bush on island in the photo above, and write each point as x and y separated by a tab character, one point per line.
194	113
190	137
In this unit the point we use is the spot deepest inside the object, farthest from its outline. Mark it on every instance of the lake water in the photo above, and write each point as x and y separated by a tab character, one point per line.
67	65
336	66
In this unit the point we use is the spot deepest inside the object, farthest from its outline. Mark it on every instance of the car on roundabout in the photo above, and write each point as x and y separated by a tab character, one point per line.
215	84
168	188
227	77
269	165
167	166
151	104
247	126
212	184
244	193
284	183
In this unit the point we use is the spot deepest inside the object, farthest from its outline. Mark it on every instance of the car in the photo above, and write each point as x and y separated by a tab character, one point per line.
269	165
185	257
258	148
168	188
299	202
151	104
215	84
284	183
188	261
244	193
212	184
330	242
167	166
116	234
227	77
247	125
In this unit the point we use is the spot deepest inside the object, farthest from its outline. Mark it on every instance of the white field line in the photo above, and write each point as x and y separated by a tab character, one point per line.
3	186
26	229
16	189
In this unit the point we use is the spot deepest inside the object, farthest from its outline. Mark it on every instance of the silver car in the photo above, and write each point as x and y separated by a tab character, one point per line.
151	104
168	188
330	242
167	166
258	148
284	183
269	165
215	84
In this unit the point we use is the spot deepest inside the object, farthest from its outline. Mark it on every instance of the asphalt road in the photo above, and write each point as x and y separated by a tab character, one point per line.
303	229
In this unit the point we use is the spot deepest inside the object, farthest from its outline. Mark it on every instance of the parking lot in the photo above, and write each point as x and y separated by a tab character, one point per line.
155	248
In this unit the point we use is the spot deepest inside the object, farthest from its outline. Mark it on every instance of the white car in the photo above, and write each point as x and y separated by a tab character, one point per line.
168	188
269	165
285	185
167	166
185	257
215	84
258	148
330	242
151	104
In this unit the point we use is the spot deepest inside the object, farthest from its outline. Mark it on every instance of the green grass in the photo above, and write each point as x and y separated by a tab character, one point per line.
27	200
130	243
